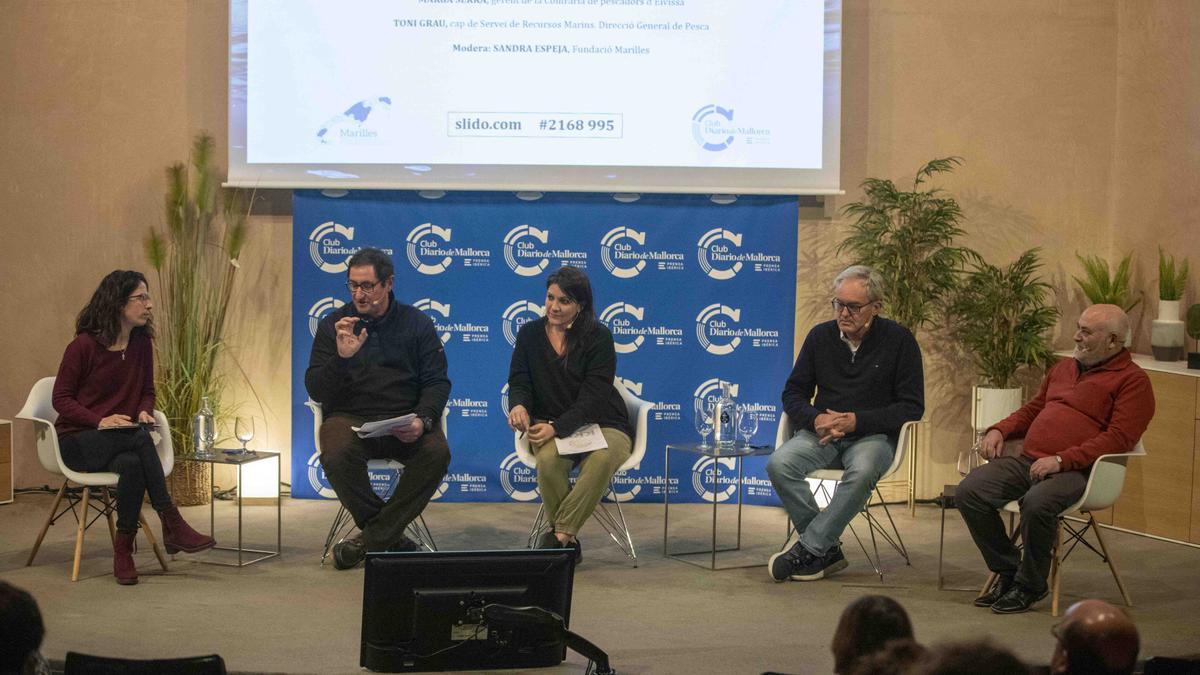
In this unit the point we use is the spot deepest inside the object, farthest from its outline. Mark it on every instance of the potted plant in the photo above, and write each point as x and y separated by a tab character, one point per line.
1166	332
1101	286
1193	329
1001	317
196	258
908	236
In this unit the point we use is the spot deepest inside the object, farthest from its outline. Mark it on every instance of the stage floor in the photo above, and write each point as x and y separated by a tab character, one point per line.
291	615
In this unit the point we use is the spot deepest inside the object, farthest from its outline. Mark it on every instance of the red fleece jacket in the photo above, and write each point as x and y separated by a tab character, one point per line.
1082	414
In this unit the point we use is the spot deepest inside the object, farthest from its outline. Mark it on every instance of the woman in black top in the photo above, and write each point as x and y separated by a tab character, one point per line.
561	381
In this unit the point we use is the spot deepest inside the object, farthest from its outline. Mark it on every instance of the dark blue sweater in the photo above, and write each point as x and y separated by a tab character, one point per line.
883	384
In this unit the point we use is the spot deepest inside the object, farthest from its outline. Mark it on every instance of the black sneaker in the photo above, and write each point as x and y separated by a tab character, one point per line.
548	540
349	552
820	566
405	545
781	565
1018	599
997	591
578	550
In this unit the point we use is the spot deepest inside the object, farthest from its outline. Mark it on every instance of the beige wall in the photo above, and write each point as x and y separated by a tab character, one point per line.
1077	120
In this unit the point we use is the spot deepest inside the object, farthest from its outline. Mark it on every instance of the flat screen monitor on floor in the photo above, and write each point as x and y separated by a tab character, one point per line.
423	611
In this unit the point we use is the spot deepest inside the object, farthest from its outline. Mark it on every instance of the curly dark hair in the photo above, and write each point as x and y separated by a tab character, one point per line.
21	627
101	317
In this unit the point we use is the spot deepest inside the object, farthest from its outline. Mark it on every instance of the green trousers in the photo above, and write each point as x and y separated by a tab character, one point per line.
567	507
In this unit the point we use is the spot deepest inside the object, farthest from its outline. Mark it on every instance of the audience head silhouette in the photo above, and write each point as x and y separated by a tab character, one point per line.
976	657
1095	637
21	629
867	624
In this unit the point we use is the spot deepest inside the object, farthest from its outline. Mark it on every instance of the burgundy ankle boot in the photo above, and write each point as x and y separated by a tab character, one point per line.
179	536
123	568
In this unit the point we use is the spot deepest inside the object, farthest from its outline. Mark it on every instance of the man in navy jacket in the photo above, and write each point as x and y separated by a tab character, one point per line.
866	374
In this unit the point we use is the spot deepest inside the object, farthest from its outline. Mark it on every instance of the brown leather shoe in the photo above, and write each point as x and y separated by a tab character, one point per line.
123	567
179	536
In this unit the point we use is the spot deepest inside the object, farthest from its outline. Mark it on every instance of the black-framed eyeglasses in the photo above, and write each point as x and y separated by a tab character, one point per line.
367	287
141	297
852	307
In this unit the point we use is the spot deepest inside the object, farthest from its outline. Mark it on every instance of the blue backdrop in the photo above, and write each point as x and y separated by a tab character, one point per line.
694	292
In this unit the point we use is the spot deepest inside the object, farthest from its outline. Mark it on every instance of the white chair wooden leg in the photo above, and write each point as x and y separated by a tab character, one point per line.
1056	568
83	518
108	515
1112	566
46	526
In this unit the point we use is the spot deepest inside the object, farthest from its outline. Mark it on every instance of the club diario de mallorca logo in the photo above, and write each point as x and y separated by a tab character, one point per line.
710	390
433	309
712	127
518	314
720	256
330	245
623	254
317	479
527	252
715	480
425	252
318	311
518	480
625	321
713	331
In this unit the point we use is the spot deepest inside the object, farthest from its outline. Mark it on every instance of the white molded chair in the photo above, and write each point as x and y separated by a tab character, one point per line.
39	409
1102	490
343	524
820	481
616	527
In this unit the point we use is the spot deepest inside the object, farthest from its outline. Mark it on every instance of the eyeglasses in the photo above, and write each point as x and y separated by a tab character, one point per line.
141	297
851	307
367	287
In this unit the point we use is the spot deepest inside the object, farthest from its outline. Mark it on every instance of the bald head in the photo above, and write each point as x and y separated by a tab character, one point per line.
1095	637
1100	334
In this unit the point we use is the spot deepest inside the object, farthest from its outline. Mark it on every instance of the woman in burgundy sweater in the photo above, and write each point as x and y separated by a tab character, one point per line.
104	395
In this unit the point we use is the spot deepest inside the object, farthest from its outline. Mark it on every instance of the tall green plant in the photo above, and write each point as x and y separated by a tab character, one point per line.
1001	316
1172	280
908	236
1193	322
1103	287
196	258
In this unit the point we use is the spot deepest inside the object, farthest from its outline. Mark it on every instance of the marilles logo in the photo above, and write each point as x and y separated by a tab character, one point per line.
426	253
330	245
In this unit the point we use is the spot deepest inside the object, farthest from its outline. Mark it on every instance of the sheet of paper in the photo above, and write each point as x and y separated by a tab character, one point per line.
585	439
383	427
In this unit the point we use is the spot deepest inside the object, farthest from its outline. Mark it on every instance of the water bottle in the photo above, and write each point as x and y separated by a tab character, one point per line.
204	429
725	418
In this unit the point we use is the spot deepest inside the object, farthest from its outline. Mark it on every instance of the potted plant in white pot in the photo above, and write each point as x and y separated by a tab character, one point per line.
1102	286
1001	317
1167	331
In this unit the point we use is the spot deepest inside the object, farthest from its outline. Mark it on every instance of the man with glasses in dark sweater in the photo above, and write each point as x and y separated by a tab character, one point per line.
866	374
375	359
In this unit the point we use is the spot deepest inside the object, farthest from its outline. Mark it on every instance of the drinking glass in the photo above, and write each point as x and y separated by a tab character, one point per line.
243	428
747	423
703	411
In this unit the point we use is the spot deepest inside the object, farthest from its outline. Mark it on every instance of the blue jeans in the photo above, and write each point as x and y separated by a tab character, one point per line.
864	460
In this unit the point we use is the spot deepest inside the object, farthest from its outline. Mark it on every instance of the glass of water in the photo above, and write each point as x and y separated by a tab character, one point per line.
703	411
747	423
243	429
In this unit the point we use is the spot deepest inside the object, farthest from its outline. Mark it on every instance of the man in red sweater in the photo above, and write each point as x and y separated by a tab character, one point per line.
1097	403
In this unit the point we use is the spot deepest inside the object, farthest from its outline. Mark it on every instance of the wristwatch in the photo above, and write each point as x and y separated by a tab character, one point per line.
427	422
1059	458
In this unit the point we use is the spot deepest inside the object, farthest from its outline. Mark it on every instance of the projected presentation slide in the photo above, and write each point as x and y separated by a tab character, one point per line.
662	83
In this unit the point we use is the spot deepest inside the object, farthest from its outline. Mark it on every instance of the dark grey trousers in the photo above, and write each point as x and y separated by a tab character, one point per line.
988	488
344	457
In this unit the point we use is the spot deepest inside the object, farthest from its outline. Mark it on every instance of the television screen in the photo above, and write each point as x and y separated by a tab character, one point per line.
424	611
